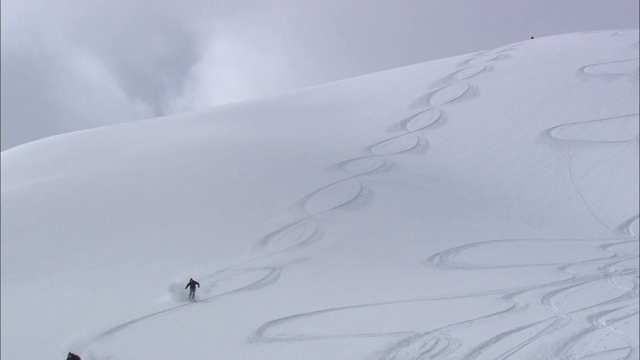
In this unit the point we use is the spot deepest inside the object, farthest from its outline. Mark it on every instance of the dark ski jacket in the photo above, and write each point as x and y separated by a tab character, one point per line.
73	356
192	284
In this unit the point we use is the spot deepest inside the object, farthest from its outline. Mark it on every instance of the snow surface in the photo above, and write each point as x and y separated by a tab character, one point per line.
483	206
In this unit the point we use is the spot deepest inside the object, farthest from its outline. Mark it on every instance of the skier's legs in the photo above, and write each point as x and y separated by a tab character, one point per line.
192	294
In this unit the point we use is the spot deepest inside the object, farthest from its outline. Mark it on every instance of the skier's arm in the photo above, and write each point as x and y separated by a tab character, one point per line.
197	283
186	286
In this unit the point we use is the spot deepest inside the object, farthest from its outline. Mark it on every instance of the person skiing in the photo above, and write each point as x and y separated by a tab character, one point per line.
73	356
192	289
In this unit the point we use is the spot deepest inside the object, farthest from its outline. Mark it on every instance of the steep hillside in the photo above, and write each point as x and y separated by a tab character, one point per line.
480	207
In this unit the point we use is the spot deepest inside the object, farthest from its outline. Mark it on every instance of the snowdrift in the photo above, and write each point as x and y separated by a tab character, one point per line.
483	206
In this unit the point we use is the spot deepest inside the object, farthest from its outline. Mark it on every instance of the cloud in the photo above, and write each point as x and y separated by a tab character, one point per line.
93	64
70	65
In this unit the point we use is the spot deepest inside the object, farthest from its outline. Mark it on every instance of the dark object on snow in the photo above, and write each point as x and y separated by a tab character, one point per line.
73	356
532	38
192	289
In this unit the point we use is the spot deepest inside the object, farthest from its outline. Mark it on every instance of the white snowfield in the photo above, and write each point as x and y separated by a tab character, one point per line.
477	207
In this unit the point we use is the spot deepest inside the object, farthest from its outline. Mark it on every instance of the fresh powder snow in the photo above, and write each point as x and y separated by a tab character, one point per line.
483	206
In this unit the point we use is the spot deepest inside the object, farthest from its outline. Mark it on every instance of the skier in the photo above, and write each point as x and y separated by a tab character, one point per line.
192	289
73	356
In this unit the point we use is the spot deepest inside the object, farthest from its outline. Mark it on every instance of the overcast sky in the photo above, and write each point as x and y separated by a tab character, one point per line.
69	65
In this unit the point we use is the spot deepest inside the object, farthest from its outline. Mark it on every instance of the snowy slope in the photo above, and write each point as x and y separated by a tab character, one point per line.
480	207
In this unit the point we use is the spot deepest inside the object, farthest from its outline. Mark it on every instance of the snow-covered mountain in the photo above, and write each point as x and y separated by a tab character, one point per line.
483	206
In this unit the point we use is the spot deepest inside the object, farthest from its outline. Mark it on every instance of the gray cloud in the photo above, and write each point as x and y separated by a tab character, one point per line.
91	64
69	65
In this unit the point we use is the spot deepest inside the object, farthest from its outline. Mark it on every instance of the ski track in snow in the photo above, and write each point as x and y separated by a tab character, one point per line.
621	130
572	327
353	188
626	127
265	276
619	67
442	342
575	329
